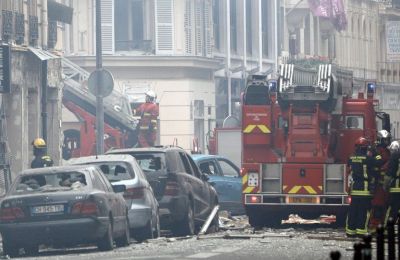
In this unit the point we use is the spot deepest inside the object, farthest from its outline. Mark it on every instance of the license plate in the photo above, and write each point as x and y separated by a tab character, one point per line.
48	209
302	200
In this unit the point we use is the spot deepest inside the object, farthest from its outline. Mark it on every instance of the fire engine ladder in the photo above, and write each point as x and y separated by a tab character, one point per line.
300	86
5	157
73	91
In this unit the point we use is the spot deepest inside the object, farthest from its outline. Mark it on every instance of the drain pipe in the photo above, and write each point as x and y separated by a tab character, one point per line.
43	101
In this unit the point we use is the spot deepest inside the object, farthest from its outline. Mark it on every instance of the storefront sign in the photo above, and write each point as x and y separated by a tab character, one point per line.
393	40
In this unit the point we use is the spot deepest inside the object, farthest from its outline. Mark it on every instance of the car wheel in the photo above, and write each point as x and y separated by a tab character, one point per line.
144	233
187	226
10	248
106	243
156	232
31	250
124	240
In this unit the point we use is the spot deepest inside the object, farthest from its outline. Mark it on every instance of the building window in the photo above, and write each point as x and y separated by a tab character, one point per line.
6	5
233	14
216	24
265	27
32	7
130	17
249	33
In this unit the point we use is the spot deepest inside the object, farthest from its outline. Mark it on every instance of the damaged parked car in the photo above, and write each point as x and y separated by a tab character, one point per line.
142	205
62	207
225	177
185	197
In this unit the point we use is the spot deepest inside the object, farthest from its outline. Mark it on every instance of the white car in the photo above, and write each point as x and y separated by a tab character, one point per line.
143	207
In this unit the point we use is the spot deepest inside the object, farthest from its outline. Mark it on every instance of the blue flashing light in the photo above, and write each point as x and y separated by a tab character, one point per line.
273	86
371	87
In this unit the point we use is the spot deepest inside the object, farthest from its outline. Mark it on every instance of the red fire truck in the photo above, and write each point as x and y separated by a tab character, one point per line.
119	123
297	134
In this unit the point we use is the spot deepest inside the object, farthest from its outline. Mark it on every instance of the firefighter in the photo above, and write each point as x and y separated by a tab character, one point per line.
380	196
361	166
394	186
148	120
41	159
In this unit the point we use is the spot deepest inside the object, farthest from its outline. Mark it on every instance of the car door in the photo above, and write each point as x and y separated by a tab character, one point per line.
216	179
198	189
117	203
230	185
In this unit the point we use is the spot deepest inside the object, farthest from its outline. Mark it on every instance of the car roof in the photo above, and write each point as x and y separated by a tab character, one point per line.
56	169
198	157
160	149
102	158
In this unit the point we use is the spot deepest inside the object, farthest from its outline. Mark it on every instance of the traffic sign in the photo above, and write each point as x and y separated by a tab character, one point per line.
101	83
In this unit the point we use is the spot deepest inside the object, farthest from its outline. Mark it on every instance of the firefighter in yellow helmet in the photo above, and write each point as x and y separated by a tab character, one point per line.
39	151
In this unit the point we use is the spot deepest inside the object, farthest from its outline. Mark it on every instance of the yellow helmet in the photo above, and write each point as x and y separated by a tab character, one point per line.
39	143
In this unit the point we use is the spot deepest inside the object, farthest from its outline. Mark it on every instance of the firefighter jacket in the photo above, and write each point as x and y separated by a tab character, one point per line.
394	172
148	113
385	154
42	161
363	173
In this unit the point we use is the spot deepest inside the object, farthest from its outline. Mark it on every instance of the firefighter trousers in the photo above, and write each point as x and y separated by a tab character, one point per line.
393	206
358	215
146	138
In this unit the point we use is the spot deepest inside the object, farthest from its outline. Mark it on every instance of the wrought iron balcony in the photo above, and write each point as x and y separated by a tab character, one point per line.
33	30
19	28
7	25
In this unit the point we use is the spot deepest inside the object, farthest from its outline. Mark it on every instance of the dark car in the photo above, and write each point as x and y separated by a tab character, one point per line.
224	175
63	206
185	197
142	204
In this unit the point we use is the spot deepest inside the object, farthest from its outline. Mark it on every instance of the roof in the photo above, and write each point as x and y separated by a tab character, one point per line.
198	157
102	158
55	169
142	150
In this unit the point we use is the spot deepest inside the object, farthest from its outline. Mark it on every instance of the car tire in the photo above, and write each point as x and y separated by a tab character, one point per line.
187	226
125	239
144	233
106	243
31	250
157	229
10	248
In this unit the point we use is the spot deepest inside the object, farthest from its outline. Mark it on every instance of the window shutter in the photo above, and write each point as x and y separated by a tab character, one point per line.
208	28
164	26
107	26
188	27
199	27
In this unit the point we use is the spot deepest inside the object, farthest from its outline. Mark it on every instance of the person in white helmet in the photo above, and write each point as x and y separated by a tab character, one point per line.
394	187
147	127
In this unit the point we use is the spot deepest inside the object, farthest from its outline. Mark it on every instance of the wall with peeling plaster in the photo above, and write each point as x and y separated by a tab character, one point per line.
22	105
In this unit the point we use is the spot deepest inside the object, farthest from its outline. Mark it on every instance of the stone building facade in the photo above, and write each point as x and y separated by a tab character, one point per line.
32	106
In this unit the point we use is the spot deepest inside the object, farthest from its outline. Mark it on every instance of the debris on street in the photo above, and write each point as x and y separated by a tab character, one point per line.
204	228
228	222
323	219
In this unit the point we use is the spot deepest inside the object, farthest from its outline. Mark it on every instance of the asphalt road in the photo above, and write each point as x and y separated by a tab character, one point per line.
225	245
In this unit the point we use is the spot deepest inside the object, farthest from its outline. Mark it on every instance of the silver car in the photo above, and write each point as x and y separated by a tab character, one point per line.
143	207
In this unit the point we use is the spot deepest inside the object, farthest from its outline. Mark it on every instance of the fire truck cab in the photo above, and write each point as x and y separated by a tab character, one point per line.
297	134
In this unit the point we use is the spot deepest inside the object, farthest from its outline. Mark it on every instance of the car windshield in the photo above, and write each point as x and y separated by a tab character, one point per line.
115	171
49	182
151	162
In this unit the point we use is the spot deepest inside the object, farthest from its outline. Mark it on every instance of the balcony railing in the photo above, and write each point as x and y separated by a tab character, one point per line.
132	45
389	72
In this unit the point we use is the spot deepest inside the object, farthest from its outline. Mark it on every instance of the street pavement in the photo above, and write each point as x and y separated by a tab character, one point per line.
290	243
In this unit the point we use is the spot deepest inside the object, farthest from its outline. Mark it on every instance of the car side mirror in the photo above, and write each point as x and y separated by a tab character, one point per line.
204	177
118	188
